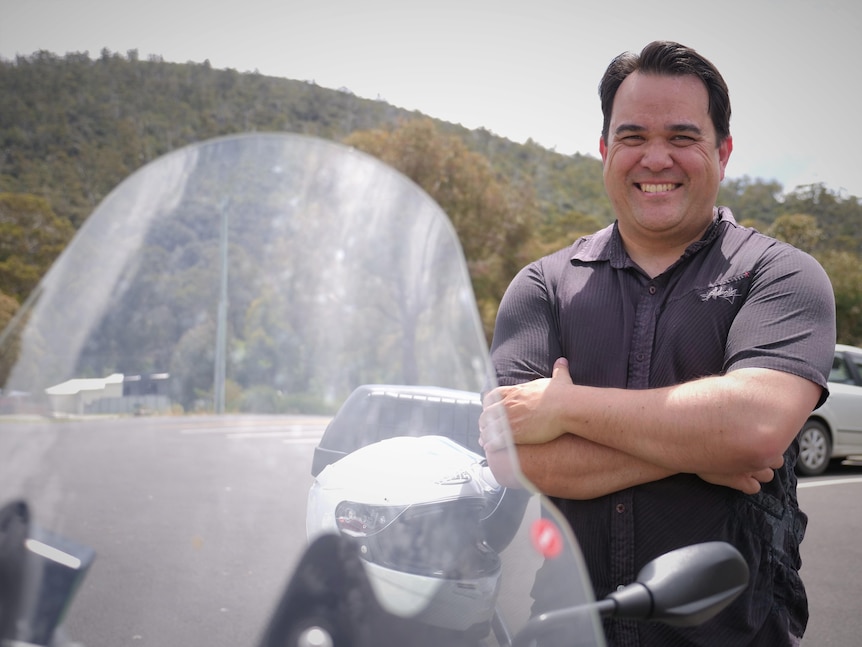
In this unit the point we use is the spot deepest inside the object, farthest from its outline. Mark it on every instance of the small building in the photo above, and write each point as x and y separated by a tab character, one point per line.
74	396
116	394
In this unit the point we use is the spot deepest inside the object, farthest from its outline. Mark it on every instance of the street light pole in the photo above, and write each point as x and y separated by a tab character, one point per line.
221	318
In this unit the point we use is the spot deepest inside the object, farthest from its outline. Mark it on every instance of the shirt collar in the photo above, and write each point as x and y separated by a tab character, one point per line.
607	245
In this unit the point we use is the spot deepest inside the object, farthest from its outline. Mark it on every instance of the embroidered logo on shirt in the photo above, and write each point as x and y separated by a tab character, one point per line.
720	292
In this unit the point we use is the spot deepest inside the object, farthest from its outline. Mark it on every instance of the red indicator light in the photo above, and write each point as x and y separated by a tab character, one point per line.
547	538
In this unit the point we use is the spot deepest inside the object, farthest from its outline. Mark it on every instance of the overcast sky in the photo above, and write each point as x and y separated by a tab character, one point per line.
521	69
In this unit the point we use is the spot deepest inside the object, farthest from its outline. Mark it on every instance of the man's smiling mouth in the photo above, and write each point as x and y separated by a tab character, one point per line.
657	188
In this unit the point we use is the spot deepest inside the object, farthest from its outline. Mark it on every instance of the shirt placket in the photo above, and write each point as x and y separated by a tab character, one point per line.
623	504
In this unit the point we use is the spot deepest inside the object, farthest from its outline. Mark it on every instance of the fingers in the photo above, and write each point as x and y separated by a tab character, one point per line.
495	395
561	371
492	430
746	482
750	485
764	476
504	470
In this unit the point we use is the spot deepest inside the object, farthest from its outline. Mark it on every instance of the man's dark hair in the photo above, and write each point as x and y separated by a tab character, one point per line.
668	59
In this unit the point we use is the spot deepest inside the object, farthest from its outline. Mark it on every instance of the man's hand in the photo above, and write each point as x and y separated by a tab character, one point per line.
747	482
531	409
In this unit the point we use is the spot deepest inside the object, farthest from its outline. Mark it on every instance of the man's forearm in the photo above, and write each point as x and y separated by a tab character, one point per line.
575	468
739	422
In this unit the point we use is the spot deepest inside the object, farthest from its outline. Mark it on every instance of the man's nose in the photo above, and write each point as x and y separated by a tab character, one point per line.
657	156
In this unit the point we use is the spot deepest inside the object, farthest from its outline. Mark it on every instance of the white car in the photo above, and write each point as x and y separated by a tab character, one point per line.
835	429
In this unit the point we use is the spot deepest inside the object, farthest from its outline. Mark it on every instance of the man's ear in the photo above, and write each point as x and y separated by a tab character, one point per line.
724	151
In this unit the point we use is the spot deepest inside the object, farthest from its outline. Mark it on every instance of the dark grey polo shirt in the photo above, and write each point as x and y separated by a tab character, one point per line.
735	299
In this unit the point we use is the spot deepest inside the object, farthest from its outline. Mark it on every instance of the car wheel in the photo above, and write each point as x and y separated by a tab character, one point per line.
815	449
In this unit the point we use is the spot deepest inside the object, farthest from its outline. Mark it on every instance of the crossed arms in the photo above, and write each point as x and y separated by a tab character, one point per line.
580	442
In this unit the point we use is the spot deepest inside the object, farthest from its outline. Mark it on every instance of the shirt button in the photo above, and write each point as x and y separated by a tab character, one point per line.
652	289
621	508
639	357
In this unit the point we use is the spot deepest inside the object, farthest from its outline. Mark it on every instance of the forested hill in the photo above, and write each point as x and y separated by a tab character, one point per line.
72	127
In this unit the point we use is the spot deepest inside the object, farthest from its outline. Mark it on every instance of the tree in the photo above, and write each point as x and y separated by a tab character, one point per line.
563	229
845	272
842	267
753	202
31	237
8	308
9	349
838	215
490	215
72	128
798	229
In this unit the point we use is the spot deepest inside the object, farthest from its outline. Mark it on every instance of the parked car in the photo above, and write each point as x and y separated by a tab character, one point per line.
835	429
388	410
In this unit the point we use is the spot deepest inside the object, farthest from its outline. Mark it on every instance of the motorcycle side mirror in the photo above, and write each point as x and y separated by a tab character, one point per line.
40	573
14	527
684	587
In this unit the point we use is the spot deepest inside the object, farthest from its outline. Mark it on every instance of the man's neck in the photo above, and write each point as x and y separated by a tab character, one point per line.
654	257
651	263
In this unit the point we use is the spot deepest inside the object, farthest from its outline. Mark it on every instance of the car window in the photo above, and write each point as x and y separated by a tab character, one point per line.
857	361
840	372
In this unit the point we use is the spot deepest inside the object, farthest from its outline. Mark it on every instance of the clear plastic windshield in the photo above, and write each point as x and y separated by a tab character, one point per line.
255	343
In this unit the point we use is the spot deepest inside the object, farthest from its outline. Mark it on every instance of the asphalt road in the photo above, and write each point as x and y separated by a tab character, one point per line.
832	556
198	521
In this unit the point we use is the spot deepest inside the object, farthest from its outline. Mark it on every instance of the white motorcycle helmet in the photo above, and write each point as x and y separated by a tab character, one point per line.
415	506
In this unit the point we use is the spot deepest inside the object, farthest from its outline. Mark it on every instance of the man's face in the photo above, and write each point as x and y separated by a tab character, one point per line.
662	163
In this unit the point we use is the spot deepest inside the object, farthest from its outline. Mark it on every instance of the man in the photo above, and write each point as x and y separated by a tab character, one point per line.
655	374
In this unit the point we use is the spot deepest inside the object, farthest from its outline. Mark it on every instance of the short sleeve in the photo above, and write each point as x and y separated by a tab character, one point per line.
788	320
526	339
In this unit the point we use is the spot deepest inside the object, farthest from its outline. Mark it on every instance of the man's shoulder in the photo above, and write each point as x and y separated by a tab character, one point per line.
745	250
735	236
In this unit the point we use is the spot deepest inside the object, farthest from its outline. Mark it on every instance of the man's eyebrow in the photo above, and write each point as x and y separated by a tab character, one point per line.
676	128
685	128
628	128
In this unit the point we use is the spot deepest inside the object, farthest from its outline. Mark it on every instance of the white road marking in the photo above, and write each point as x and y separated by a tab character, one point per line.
305	435
844	481
298	428
251	430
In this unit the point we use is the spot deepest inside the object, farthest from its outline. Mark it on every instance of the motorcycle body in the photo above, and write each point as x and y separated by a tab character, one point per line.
241	409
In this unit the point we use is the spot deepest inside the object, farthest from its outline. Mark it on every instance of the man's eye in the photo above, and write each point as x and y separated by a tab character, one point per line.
632	139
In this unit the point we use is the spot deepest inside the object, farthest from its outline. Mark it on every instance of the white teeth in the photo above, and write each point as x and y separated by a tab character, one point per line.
656	188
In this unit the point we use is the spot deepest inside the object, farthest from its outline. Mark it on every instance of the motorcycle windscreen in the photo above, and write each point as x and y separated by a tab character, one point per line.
167	383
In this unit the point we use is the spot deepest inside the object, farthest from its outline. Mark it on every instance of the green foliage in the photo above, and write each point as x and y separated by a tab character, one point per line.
798	229
845	272
489	214
9	349
754	202
72	128
31	237
266	399
8	308
838	216
563	229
